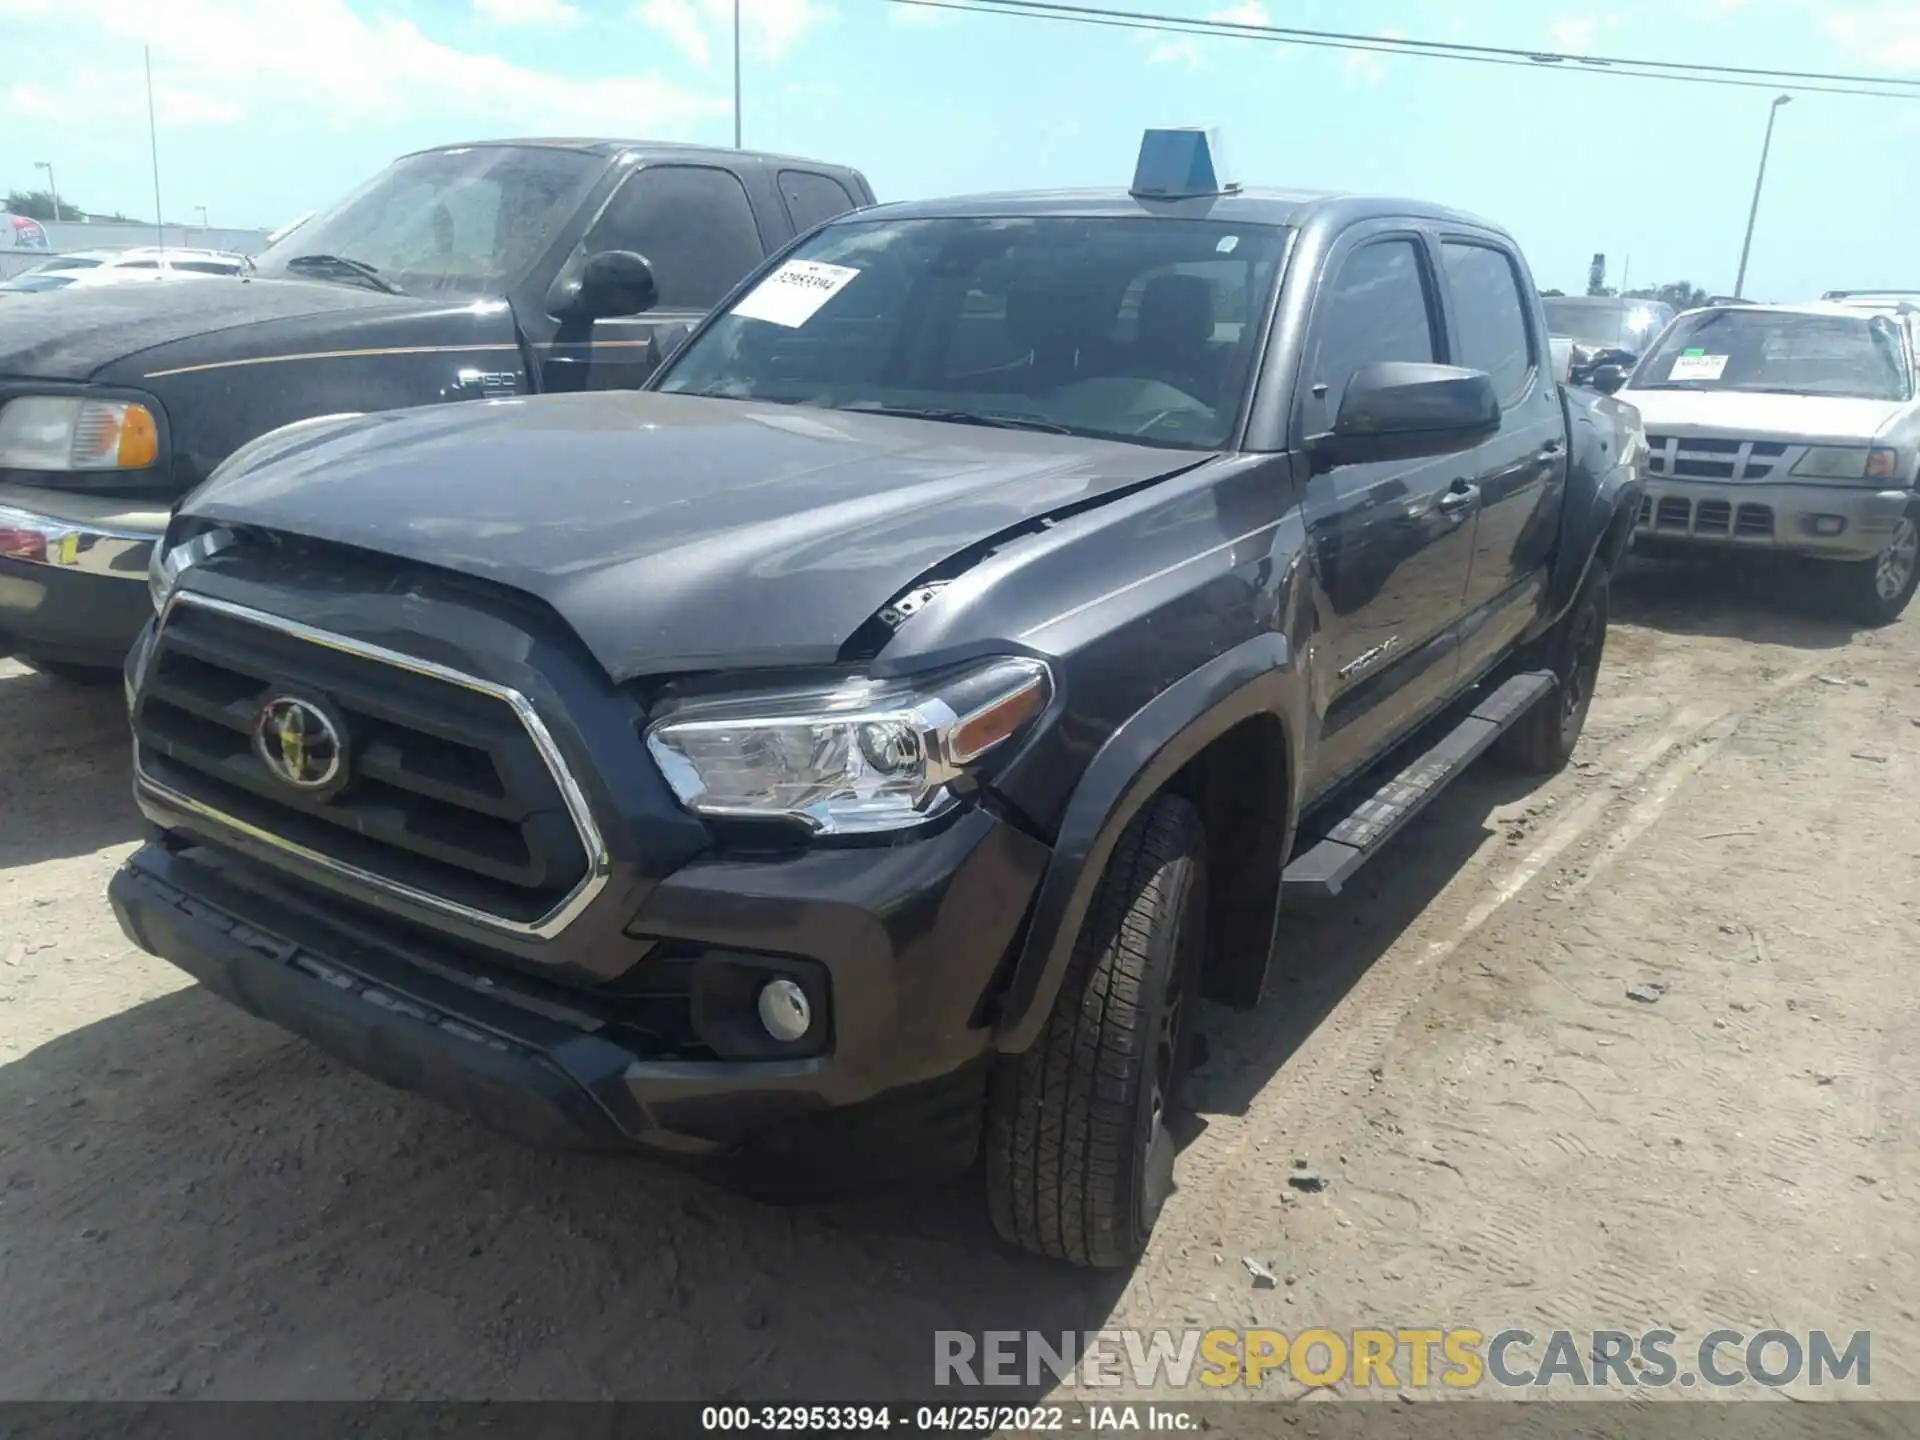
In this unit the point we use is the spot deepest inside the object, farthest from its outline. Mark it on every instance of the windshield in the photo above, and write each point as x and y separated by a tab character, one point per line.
463	222
1625	325
1130	328
1783	352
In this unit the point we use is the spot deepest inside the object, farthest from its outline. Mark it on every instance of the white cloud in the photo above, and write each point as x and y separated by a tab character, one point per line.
549	14
699	28
678	22
1886	36
220	61
1366	68
1362	68
1175	52
1574	35
920	17
1189	52
32	102
1251	12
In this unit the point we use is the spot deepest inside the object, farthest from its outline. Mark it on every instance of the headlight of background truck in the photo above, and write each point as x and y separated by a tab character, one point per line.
855	758
1848	462
57	432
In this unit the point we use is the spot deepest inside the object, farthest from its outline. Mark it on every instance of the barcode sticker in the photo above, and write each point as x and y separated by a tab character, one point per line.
1697	367
791	294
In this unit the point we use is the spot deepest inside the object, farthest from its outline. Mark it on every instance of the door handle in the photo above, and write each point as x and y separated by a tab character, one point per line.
1461	498
1550	449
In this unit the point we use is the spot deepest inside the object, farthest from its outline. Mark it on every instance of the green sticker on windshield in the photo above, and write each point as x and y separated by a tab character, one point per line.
1697	350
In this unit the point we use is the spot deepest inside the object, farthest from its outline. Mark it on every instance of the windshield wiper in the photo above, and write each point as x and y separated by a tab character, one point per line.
993	418
352	271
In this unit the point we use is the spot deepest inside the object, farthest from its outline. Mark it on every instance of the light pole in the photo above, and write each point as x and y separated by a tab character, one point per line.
1740	280
53	188
736	74
203	216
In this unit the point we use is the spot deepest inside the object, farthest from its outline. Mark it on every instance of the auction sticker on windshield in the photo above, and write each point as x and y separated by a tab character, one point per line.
791	294
1697	365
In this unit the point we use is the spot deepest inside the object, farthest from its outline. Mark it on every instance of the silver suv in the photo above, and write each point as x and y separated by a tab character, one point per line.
1789	428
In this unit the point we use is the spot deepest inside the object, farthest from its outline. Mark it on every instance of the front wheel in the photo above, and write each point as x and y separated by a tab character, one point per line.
1541	741
1875	591
1079	1153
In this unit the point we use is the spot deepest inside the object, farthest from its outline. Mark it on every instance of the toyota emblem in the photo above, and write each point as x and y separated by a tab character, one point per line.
299	743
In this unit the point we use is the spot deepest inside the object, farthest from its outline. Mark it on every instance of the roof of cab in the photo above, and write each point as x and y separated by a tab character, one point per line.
1249	206
610	148
1790	307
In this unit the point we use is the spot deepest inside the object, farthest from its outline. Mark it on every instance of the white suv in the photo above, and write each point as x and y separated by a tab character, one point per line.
1792	428
109	267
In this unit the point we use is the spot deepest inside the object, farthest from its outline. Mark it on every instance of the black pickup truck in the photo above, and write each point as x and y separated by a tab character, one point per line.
465	272
862	746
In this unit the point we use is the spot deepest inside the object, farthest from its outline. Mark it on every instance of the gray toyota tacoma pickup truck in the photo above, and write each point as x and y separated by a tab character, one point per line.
853	754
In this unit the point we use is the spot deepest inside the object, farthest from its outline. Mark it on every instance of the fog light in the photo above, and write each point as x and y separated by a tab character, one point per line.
784	1010
1829	524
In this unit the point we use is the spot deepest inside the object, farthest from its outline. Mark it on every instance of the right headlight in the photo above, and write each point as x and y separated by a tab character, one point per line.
854	758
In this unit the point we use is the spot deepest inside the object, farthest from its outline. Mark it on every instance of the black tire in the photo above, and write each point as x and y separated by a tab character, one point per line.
92	676
1876	591
1079	1157
1541	741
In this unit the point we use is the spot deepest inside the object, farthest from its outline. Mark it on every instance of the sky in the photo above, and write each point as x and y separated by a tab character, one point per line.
270	108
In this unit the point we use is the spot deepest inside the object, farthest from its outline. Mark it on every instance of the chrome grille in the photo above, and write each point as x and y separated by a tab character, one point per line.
456	796
1701	457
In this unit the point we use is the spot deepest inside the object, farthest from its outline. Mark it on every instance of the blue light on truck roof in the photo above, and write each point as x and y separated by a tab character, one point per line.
1178	163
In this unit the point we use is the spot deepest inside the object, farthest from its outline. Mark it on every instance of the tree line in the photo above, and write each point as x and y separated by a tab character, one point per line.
38	205
1681	294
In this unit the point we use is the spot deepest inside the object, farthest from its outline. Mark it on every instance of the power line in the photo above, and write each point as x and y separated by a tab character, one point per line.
1672	71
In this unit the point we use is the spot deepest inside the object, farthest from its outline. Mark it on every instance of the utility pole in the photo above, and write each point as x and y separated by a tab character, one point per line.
153	144
53	186
1740	279
736	74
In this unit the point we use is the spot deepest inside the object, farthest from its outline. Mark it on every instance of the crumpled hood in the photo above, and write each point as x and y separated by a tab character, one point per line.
73	334
675	532
1796	419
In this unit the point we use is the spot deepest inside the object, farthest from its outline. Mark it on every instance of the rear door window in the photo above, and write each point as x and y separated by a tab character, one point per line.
1489	316
692	222
812	199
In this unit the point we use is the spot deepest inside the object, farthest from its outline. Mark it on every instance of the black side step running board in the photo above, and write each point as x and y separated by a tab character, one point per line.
1318	872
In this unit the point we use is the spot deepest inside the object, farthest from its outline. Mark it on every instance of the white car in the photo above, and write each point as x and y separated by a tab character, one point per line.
110	267
1791	428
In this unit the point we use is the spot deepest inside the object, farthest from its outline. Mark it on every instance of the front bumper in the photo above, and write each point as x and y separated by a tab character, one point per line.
898	1092
1829	522
73	571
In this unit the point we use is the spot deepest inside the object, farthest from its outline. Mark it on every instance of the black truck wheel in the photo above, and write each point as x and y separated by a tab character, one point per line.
1079	1156
1541	741
1875	591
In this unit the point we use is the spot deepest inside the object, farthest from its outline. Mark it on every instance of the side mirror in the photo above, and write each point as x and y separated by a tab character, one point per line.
1400	410
1607	378
610	283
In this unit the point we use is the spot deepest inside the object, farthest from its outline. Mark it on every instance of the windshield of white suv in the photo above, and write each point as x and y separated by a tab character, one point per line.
1624	324
1781	351
1122	328
465	222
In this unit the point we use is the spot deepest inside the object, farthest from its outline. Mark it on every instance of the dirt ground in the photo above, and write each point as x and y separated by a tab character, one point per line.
193	1204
